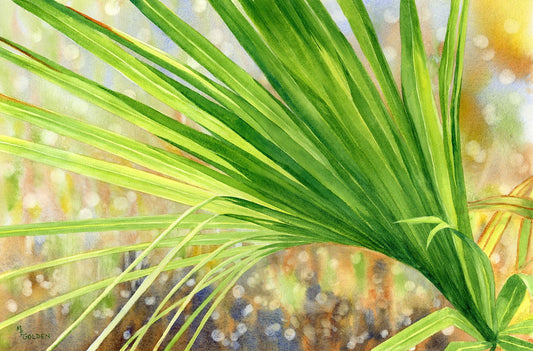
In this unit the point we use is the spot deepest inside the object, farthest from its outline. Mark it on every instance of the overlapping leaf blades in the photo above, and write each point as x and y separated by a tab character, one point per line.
518	203
330	162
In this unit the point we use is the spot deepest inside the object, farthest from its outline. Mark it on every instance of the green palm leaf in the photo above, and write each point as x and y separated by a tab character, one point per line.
335	158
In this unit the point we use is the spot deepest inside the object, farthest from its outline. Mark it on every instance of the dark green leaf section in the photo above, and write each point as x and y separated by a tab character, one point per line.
421	107
509	299
367	38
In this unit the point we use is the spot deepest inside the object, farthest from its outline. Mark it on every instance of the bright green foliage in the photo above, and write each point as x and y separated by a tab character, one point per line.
468	346
337	158
424	328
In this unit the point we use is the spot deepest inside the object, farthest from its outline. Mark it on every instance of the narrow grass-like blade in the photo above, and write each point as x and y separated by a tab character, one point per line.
468	346
148	281
426	327
186	262
221	291
109	172
119	224
130	109
440	225
494	230
260	236
138	260
521	328
514	204
203	283
525	243
158	160
363	29
450	81
178	286
510	343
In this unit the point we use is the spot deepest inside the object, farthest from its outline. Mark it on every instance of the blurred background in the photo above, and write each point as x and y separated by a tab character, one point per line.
307	298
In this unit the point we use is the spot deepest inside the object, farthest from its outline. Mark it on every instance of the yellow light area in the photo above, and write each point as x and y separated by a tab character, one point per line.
508	27
524	311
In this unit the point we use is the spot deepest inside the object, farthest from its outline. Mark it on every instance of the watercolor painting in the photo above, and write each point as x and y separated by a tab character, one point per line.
289	175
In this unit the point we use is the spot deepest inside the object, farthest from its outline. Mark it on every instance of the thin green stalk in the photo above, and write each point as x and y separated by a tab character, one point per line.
119	278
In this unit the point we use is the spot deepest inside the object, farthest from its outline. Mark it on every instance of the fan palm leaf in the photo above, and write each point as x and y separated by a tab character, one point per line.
327	156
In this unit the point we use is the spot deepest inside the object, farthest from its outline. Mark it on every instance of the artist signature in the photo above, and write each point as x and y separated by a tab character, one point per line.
32	336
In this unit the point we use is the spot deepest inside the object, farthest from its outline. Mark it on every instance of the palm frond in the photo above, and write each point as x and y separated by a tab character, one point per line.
327	156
